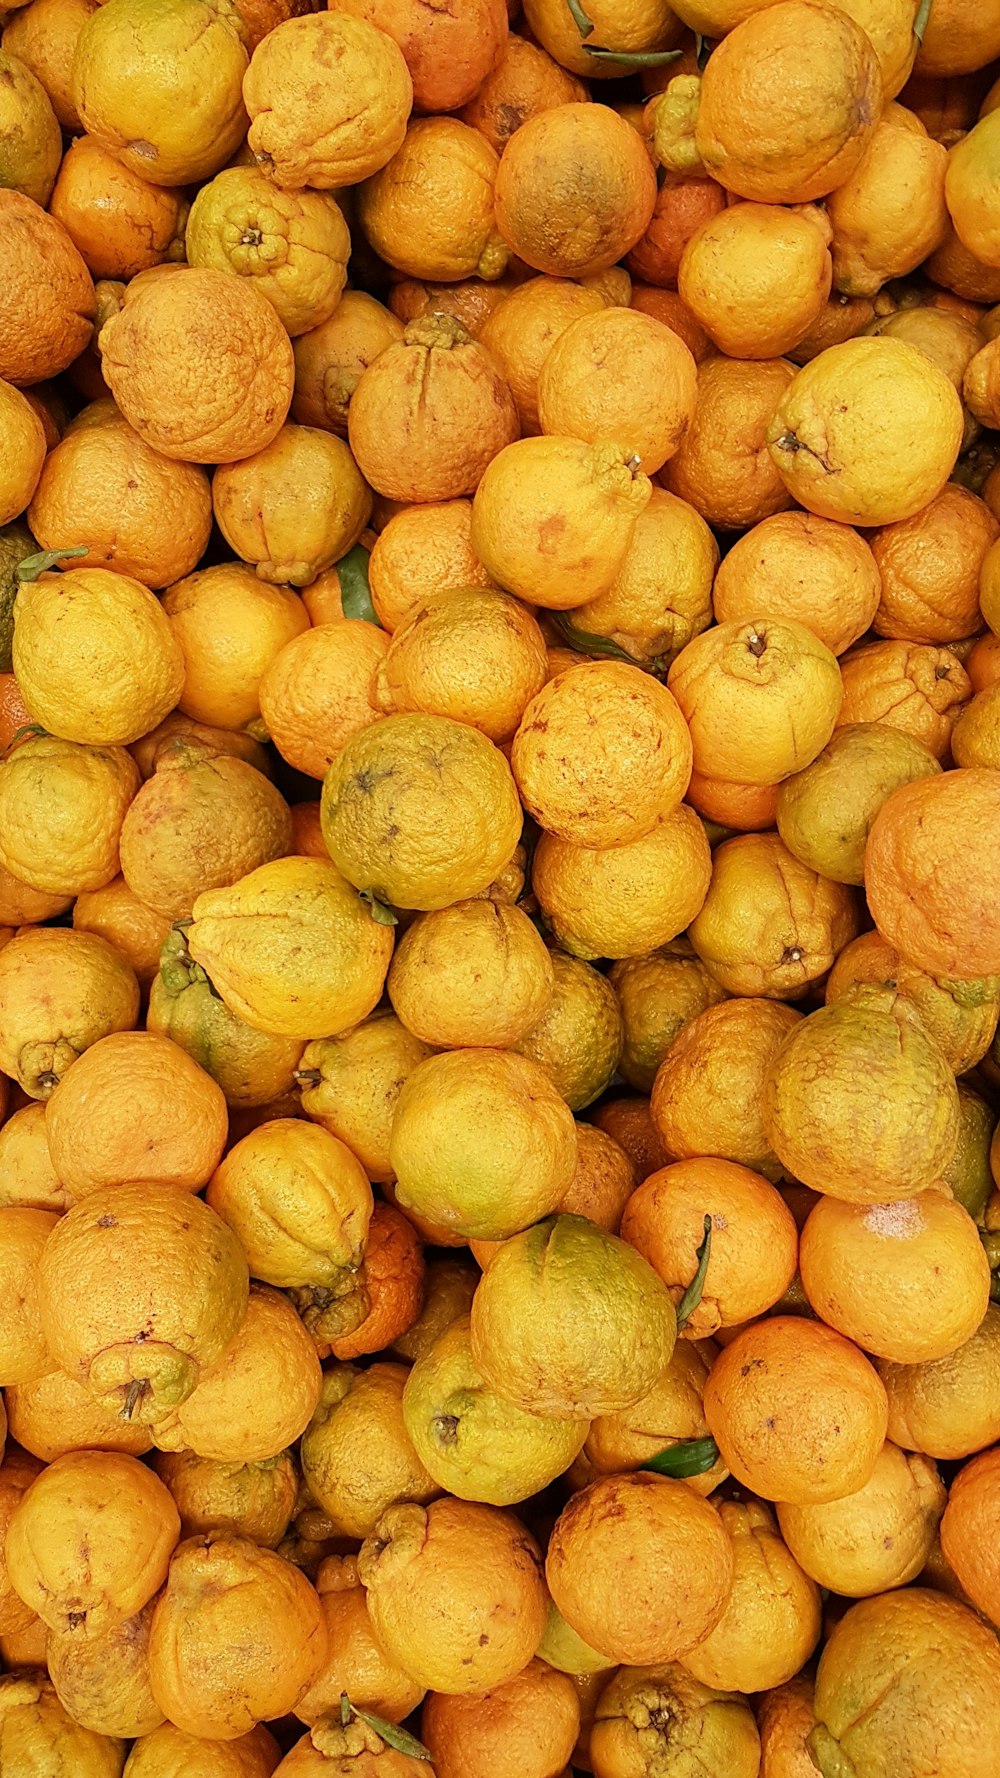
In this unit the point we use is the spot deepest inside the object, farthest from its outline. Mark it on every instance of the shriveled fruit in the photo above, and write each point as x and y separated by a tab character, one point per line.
938	911
578	1039
59	992
664	1713
958	1015
908	686
57	1414
331	359
35	1727
661	596
723	467
61	812
356	1662
40	341
258	505
356	1453
769	924
476	973
104	1681
875	1538
707	1094
294	245
254	1500
350	1085
771	1621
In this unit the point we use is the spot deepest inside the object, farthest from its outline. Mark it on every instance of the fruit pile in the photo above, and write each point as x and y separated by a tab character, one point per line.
499	930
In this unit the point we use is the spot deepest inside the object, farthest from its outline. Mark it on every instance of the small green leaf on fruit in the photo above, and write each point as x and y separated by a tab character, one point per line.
355	592
692	1457
692	1296
393	1735
33	566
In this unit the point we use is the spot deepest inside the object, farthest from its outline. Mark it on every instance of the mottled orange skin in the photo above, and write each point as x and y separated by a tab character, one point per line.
41	257
449	54
118	223
600	216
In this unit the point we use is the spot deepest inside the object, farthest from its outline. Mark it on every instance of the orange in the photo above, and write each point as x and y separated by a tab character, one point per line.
149	750
965	1537
470	653
575	190
975	735
958	270
684	202
206	398
477	1571
811	570
169	1753
229	626
355	1660
293	245
14	713
640	1567
897	1674
708	1091
842	318
788	104
667	306
967	188
39	256
98	1293
737	685
868	432
469	301
890	214
254	1500
980	384
824	813
948	1407
668	1415
754	1245
307	130
602	755
252	1068
876	1538
56	1414
796	1410
45	40
960	39
350	1085
930	567
912	687
522	331
448	55
91	1541
26	1169
628	899
770	924
757	277
357	1457
319	690
394	1275
659	995
34	1725
522	82
258	505
772	1619
619	374
260	1395
907	1281
25	438
59	992
429	212
430	413
647	26
629	1123
140	1110
747	808
61	808
330	359
104	1682
24	1357
423	549
723	467
664	1712
135	510
942	917
578	1039
238	1634
117	221
662	594
859	1102
528	1726
171	109
958	1015
552	518
17	1472
476	974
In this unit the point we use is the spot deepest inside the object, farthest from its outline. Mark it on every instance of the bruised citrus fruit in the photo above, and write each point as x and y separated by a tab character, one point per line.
575	190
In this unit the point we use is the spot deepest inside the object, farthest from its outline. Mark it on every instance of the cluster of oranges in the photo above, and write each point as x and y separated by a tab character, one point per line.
499	937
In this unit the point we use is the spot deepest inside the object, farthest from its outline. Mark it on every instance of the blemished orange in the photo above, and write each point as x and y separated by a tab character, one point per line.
879	1537
214	409
119	223
911	686
628	899
471	653
949	1407
522	331
523	81
927	872
723	467
619	374
310	131
640	1567
737	685
770	924
907	1281
57	1414
319	690
423	549
789	103
430	413
134	509
960	1016
331	359
773	1616
137	1109
757	277
169	1753
527	1726
708	1091
684	201
41	257
930	567
448	55
230	626
812	570
890	214
797	1411
602	755
429	213
662	594
395	1276
966	1538
754	1241
469	301
570	227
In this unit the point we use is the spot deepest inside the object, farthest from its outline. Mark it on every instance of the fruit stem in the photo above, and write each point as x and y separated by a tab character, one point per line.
692	1296
32	566
137	1389
757	644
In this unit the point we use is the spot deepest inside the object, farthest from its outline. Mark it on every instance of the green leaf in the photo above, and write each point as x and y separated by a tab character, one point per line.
32	729
355	593
692	1296
920	22
584	25
627	58
33	566
380	912
585	642
391	1734
693	1457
